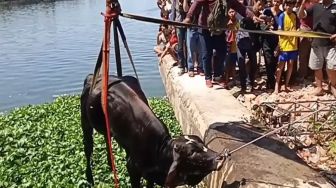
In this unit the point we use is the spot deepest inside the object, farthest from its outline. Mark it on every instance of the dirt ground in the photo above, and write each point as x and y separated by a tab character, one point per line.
312	136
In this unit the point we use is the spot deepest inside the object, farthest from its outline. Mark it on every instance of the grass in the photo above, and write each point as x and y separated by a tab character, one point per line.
41	146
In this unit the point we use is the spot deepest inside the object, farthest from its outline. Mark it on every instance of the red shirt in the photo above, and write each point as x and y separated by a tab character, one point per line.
173	40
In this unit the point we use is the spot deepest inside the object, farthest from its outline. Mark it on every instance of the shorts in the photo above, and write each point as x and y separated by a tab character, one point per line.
321	54
286	56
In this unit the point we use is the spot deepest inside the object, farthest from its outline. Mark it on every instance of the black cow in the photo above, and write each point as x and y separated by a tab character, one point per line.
151	152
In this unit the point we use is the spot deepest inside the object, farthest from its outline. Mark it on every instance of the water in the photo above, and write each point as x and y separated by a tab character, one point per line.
47	48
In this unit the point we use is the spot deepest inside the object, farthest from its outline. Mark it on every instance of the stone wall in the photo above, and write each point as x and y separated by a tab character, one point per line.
216	116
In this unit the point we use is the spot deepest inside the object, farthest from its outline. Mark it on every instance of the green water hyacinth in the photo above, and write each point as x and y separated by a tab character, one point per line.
41	146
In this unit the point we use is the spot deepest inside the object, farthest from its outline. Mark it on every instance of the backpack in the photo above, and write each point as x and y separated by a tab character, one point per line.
218	17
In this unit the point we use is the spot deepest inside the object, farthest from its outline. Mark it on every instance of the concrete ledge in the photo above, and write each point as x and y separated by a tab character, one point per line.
215	115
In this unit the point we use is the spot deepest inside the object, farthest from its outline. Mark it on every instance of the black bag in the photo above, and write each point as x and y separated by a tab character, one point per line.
218	17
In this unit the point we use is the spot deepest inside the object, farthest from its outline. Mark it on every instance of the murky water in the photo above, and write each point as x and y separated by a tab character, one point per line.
47	49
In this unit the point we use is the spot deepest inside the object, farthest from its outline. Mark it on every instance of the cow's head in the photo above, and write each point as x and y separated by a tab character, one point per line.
192	161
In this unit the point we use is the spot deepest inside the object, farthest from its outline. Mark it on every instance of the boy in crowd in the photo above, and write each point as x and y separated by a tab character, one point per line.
171	46
231	39
249	43
162	39
323	50
270	42
288	45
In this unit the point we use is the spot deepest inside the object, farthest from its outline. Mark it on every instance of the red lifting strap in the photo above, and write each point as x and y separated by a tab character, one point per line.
110	15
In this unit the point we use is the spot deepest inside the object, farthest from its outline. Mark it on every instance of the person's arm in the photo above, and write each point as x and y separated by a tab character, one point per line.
164	52
159	4
186	5
333	38
158	38
302	11
194	8
243	10
281	22
277	51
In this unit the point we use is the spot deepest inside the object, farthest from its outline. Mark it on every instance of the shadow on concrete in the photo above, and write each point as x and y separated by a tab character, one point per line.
240	133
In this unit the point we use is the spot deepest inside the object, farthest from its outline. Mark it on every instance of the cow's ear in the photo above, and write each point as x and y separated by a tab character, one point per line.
172	173
178	148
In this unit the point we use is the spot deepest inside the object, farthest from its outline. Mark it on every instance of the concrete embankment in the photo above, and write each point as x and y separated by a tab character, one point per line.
215	115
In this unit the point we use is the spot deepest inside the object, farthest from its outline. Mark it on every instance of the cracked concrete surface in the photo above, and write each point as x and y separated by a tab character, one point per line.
215	115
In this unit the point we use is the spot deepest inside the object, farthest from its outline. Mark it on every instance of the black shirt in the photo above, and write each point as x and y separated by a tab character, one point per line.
324	20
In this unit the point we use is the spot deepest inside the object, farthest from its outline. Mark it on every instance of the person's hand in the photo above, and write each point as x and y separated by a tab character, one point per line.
263	16
276	52
229	24
186	20
160	60
258	20
333	38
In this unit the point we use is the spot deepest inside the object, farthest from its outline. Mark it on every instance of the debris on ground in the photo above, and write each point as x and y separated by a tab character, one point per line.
313	138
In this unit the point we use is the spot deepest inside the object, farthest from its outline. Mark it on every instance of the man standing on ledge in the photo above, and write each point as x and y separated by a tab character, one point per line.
213	42
323	50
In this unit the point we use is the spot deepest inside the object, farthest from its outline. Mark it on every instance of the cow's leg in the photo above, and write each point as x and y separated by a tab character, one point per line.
88	147
134	174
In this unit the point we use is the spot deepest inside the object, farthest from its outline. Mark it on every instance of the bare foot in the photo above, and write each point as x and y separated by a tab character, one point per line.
277	89
318	92
288	89
333	90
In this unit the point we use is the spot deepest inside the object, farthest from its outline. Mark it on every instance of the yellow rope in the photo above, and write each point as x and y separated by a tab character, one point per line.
307	34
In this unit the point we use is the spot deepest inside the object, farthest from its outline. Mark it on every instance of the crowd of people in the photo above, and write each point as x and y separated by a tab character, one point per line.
221	56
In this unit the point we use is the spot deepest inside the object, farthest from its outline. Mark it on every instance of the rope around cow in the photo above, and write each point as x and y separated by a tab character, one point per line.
111	15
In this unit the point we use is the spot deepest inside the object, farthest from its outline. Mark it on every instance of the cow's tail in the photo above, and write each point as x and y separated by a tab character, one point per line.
97	69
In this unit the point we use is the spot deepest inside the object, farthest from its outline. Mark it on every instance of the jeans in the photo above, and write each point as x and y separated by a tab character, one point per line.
181	36
193	44
208	44
241	53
